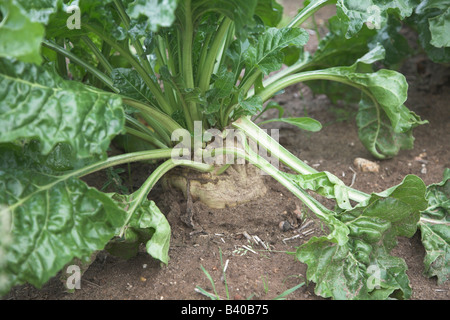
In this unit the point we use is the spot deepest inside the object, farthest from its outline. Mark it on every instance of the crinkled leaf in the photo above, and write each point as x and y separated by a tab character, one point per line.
325	184
158	13
266	53
37	103
248	107
147	225
440	28
131	85
362	267
340	274
40	10
355	13
20	36
329	187
436	17
435	229
54	219
235	57
336	50
430	19
384	94
223	84
376	133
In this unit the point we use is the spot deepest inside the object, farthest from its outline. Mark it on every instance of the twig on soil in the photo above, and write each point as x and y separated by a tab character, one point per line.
304	225
259	241
247	236
308	232
249	249
354	176
292	238
222	278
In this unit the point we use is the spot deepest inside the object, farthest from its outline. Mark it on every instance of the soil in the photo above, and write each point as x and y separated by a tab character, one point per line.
258	272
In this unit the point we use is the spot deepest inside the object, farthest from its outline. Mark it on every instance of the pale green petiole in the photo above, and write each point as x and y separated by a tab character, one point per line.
264	140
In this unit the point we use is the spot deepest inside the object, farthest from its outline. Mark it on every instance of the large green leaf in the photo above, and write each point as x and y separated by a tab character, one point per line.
385	124
37	103
20	36
435	229
23	27
362	267
377	134
54	218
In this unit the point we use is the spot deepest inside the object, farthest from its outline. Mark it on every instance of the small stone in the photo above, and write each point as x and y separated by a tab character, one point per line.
365	165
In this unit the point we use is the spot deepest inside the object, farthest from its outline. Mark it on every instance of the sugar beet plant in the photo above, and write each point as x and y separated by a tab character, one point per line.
74	75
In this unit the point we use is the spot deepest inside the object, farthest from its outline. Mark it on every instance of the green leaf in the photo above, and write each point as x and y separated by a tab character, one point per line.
223	84
53	218
248	107
21	36
439	28
158	13
40	10
235	57
336	50
148	225
270	12
37	103
384	123
131	85
266	53
355	13
377	134
240	12
362	267
431	20
395	44
325	184
435	229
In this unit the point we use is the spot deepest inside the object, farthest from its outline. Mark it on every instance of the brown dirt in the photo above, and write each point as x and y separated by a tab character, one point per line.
266	273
